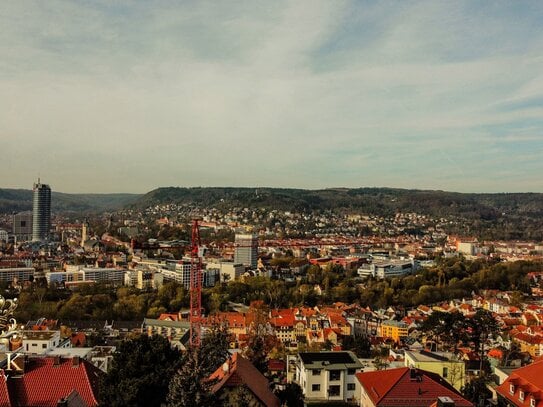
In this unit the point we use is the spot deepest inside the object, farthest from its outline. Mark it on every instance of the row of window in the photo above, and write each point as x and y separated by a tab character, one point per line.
332	390
521	395
334	374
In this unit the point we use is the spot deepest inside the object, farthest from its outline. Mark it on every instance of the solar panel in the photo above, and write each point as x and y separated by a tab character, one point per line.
332	357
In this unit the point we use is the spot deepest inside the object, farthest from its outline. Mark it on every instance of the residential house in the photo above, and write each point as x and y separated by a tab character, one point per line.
444	364
406	387
238	371
524	387
327	376
49	382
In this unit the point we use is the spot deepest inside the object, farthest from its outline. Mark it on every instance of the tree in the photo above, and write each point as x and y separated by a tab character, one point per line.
476	391
291	395
446	327
360	345
214	349
481	327
190	387
140	373
240	396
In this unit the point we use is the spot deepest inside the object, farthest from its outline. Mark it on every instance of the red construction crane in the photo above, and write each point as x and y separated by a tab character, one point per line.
195	286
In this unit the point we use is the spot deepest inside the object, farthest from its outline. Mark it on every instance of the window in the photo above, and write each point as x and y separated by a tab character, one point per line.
316	372
335	375
445	372
351	371
333	391
43	346
350	386
532	402
512	388
315	387
521	395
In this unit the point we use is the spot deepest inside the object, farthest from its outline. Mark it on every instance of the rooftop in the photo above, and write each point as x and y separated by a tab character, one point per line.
329	360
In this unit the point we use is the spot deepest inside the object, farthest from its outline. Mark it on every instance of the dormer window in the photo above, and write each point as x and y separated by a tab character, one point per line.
532	402
512	388
521	395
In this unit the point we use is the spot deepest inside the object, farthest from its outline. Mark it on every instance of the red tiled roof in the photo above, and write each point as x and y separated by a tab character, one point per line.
529	379
4	393
44	384
530	339
395	387
241	371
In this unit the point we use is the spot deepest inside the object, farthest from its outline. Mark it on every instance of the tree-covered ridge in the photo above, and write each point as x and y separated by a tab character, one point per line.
378	201
16	200
503	216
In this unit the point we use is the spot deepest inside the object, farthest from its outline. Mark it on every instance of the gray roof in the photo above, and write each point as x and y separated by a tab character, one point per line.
166	324
329	360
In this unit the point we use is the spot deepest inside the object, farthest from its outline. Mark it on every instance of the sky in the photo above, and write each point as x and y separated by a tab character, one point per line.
127	96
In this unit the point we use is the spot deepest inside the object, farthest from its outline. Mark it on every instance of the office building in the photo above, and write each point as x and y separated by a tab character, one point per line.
246	250
22	226
41	212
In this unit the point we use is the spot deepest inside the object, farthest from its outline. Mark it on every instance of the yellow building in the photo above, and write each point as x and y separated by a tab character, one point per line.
394	329
442	363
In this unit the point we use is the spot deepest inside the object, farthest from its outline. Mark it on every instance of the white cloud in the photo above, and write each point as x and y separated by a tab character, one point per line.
146	95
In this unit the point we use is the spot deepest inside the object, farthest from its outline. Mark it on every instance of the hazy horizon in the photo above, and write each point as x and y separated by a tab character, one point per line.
124	96
268	187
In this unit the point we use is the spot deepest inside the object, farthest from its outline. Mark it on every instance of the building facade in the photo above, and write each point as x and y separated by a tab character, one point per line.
41	212
246	250
327	376
22	226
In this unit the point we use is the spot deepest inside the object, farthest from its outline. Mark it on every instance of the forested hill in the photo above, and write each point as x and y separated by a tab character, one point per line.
16	200
507	216
377	201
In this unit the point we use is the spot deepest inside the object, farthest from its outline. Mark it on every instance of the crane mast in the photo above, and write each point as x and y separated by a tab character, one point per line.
195	287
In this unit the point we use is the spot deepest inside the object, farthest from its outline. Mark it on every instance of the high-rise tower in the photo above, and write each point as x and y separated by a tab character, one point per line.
41	212
246	250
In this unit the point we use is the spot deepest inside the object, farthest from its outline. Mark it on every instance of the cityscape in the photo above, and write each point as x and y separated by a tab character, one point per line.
262	306
271	203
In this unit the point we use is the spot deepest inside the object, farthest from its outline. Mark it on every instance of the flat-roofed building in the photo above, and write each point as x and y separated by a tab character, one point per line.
8	274
394	329
444	364
246	250
327	376
41	342
388	268
22	226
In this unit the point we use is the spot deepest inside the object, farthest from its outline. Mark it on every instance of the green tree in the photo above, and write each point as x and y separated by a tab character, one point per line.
140	373
189	387
481	327
291	395
476	391
214	349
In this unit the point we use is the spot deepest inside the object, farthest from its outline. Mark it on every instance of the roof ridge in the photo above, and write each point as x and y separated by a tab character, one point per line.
395	383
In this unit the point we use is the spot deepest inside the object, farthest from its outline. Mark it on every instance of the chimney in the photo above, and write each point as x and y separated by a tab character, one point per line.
56	361
445	401
75	361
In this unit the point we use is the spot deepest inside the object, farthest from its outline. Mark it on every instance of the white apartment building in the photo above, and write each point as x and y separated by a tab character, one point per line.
20	273
388	268
228	270
181	274
327	376
87	274
42	342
